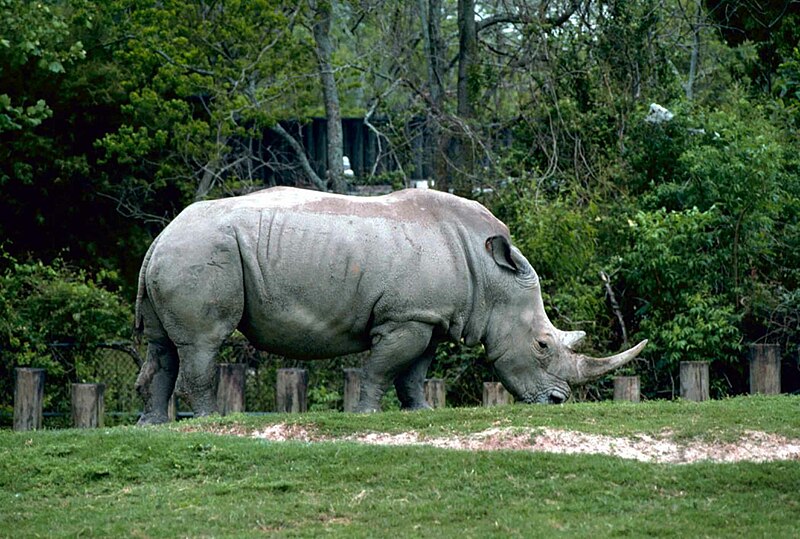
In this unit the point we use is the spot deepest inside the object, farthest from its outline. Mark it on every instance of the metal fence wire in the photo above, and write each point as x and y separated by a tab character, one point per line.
114	364
117	364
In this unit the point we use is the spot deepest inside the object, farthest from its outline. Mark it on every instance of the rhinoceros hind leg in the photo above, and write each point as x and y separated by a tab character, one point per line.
156	380
410	383
198	376
200	300
395	347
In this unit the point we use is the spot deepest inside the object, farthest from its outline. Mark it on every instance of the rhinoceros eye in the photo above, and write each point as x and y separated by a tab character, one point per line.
542	345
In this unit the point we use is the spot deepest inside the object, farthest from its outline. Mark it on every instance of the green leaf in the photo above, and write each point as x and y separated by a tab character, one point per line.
55	66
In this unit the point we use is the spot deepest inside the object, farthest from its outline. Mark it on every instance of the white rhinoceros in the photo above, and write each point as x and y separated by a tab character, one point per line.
314	275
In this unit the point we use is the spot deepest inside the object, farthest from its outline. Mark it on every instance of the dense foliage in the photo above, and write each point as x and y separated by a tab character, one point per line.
42	306
682	229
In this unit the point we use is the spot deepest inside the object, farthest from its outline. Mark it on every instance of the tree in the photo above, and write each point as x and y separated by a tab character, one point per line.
36	42
206	79
322	20
48	167
773	26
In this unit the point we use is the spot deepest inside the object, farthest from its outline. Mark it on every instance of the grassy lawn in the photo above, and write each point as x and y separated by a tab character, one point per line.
164	482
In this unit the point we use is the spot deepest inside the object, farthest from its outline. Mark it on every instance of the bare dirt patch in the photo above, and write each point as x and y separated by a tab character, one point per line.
752	446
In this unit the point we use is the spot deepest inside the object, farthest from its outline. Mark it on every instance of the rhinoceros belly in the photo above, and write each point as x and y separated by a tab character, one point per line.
312	283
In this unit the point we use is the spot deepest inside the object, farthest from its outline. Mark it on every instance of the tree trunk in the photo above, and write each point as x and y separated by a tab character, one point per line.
330	94
206	180
461	148
467	88
694	58
431	15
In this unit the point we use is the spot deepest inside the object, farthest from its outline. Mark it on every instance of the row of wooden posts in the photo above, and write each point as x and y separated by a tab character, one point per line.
292	389
291	395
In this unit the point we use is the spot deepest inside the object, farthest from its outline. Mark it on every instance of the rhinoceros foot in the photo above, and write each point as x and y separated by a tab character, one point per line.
418	406
152	419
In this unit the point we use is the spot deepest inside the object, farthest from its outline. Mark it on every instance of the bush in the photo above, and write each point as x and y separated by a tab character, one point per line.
43	304
696	222
712	264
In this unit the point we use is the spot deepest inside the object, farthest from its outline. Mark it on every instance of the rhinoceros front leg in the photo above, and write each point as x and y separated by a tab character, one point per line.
410	384
395	348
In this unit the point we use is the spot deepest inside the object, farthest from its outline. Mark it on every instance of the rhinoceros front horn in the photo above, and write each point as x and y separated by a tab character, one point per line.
588	368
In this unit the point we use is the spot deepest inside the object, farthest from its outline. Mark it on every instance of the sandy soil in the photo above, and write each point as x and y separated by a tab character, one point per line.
752	446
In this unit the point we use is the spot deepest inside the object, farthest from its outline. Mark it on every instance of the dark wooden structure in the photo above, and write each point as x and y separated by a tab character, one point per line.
627	388
352	389
765	369
88	405
694	380
435	392
28	398
291	391
494	394
230	387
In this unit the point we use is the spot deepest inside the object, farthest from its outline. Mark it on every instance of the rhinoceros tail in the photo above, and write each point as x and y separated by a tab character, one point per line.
141	293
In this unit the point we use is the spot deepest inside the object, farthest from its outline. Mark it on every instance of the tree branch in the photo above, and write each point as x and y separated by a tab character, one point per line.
301	156
522	18
612	298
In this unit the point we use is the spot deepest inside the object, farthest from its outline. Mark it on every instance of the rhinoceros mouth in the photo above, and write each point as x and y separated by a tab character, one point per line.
551	396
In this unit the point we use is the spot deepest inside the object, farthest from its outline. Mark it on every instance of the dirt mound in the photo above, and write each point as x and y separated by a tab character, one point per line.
752	446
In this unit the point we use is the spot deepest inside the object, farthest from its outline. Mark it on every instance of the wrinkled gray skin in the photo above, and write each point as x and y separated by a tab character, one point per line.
312	275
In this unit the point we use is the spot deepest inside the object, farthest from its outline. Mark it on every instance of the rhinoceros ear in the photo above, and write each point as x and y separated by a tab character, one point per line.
500	249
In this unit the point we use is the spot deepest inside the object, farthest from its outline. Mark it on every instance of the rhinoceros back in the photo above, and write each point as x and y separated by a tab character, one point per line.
319	271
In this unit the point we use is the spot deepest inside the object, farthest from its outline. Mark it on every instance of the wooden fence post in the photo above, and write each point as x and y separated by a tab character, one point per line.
435	392
352	389
291	392
694	380
627	388
230	387
494	394
88	405
28	398
765	369
172	407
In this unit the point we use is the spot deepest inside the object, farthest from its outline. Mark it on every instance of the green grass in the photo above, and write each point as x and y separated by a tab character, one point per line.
710	420
162	482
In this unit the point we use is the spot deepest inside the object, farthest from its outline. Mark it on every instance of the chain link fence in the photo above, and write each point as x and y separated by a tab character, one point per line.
325	377
117	365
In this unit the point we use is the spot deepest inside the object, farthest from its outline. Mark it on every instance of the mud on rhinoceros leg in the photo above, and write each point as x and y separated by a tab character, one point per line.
410	383
395	347
156	380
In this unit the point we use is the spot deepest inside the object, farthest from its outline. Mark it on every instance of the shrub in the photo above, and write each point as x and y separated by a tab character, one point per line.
42	304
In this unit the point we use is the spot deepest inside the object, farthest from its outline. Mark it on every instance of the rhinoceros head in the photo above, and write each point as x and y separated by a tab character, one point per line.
535	361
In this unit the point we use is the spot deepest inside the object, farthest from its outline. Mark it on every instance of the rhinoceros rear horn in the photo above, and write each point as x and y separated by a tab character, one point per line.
571	339
588	368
